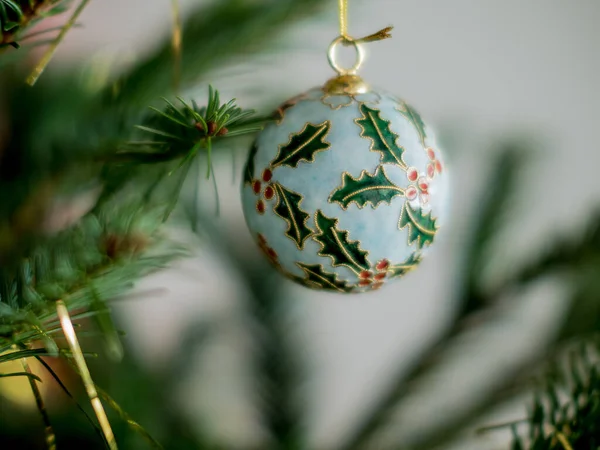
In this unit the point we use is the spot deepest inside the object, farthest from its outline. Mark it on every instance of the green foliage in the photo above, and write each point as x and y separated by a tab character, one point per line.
180	132
383	139
415	118
303	145
288	207
567	411
17	16
316	276
421	227
336	244
89	192
72	150
399	270
565	256
368	188
212	37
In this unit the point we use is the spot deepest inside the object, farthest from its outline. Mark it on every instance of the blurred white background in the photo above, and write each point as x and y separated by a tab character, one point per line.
476	70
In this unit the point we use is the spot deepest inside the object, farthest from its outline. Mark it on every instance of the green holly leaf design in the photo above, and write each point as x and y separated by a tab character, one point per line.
421	227
303	145
288	208
415	119
335	244
317	277
249	169
399	270
368	188
383	139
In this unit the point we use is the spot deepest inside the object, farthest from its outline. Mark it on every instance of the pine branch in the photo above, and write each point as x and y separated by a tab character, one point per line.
16	16
583	317
277	363
179	132
211	37
277	366
566	413
472	300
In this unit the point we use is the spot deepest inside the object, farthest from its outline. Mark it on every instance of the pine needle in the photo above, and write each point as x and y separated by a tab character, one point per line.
37	71
128	419
39	401
66	391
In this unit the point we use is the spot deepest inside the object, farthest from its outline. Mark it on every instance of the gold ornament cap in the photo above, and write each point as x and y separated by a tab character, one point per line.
347	81
346	84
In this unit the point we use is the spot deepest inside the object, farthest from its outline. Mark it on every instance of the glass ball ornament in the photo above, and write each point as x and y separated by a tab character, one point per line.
346	189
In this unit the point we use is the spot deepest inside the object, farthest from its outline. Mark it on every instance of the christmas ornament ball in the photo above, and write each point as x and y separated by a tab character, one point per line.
346	189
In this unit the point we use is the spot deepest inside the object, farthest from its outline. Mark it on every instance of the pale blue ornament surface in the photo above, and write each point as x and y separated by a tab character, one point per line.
365	160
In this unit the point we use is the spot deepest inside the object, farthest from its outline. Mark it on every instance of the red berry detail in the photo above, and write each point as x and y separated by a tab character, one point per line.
423	184
256	186
431	153
365	274
364	282
438	166
411	193
412	174
377	285
379	276
430	170
260	207
267	175
272	254
383	264
269	192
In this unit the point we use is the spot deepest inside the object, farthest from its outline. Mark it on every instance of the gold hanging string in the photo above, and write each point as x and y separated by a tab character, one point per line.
84	372
380	35
343	18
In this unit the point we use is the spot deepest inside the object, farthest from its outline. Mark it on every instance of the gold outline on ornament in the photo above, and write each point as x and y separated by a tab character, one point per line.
326	95
402	164
333	263
281	109
305	270
278	186
351	97
322	125
362	174
413	222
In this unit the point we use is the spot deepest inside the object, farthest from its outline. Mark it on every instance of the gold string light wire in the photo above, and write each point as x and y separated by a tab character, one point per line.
84	372
176	44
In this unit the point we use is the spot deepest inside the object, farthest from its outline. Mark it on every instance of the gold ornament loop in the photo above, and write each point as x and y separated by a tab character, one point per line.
360	55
